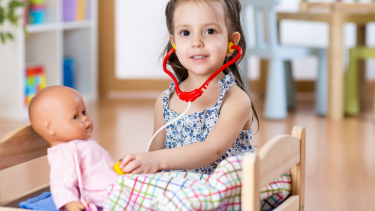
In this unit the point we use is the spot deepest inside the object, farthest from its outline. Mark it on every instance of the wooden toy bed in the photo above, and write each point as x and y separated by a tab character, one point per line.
277	156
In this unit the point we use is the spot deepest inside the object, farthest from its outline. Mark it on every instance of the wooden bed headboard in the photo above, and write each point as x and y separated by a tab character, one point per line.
21	145
279	154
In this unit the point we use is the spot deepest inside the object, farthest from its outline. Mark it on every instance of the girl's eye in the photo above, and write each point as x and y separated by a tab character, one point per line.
185	33
210	31
83	113
75	117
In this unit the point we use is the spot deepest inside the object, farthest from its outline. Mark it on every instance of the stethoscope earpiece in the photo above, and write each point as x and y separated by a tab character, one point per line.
230	50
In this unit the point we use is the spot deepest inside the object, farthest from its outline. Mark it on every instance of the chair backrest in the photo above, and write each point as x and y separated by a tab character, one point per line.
21	145
266	28
276	157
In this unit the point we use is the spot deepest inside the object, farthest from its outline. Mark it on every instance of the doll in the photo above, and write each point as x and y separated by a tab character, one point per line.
58	114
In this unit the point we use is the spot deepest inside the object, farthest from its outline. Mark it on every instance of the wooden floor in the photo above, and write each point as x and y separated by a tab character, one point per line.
340	155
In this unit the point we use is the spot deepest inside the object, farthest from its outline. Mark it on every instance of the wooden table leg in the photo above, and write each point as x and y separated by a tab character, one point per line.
335	68
361	41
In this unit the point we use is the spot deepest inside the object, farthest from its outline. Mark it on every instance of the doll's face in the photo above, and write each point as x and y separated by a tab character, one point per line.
201	36
71	119
59	115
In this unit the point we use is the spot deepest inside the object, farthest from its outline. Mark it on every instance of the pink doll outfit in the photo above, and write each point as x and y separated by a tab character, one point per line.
97	172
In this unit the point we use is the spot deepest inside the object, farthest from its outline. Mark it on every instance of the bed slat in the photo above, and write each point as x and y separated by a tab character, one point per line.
277	156
21	145
291	204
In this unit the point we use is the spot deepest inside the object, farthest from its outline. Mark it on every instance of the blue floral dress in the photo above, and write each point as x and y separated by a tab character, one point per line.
195	127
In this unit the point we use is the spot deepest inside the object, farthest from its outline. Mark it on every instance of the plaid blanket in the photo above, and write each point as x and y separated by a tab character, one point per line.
190	191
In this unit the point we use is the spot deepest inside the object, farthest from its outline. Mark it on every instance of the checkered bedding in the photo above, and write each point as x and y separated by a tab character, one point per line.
190	191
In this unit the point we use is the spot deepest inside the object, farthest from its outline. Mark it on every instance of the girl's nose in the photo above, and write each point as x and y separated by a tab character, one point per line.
197	43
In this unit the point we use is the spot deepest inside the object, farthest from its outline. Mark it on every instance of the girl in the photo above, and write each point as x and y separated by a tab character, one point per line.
219	123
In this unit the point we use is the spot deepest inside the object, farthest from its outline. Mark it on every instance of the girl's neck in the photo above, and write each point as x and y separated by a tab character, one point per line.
194	81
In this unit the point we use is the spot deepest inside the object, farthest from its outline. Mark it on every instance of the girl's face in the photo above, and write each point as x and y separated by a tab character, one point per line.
201	36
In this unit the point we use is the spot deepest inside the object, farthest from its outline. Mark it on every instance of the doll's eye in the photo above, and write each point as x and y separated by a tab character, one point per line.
210	31
185	33
83	113
75	117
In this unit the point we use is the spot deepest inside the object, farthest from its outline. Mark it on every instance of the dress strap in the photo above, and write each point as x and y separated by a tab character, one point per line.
166	96
225	84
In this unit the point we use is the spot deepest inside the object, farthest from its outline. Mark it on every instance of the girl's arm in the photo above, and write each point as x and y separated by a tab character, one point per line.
159	140
235	112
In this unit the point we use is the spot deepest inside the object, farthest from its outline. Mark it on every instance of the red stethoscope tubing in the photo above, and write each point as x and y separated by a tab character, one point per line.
192	95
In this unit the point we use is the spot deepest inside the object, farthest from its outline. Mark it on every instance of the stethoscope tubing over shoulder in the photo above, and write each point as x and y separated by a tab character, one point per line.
189	97
193	95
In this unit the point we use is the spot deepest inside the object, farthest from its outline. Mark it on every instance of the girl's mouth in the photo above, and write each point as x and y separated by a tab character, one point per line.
199	58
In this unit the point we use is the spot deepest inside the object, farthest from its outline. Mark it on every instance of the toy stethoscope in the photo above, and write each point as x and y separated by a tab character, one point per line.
88	206
189	97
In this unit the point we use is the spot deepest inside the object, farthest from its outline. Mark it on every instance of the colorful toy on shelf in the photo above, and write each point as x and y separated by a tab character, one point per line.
69	10
37	11
81	9
68	72
35	81
74	10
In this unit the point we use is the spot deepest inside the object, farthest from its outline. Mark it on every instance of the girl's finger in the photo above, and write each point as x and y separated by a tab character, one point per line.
131	166
126	160
137	171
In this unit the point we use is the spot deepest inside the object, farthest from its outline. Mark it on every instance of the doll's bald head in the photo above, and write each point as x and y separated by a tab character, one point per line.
58	114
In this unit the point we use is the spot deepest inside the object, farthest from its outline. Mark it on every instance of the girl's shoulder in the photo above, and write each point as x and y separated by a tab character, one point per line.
236	96
237	104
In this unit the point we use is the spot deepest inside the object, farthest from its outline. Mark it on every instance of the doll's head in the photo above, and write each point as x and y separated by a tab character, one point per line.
202	30
58	114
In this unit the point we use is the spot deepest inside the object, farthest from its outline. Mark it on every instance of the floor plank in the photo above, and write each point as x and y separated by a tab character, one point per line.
340	155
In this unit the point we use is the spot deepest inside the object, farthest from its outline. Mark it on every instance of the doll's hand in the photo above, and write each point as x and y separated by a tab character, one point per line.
140	163
74	206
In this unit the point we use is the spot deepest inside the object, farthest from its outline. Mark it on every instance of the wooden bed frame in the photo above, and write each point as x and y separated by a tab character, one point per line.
277	156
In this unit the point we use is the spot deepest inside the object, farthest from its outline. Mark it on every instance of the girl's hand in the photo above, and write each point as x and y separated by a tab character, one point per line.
140	163
74	206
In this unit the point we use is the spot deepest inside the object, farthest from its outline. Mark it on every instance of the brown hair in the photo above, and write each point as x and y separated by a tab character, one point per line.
232	10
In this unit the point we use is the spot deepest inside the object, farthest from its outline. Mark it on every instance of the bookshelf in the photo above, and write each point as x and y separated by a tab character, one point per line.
47	44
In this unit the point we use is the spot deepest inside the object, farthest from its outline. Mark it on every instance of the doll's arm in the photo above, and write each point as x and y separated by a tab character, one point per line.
74	206
63	177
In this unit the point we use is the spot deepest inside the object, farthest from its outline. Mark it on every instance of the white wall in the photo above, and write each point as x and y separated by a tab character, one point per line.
141	34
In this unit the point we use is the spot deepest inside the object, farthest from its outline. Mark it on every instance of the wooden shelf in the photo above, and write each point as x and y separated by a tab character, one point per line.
47	44
77	24
41	28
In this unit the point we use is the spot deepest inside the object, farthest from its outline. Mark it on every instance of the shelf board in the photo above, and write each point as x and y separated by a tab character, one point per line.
77	24
41	27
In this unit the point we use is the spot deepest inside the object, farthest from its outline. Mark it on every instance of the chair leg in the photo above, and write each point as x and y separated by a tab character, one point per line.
321	87
351	92
276	105
290	85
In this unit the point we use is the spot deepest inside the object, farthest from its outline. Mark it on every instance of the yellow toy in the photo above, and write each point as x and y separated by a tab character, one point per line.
117	169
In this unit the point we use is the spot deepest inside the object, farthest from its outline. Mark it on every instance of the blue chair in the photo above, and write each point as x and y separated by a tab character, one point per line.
280	86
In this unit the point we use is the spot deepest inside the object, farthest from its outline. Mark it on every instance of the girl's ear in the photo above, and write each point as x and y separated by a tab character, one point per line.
49	127
171	39
235	39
